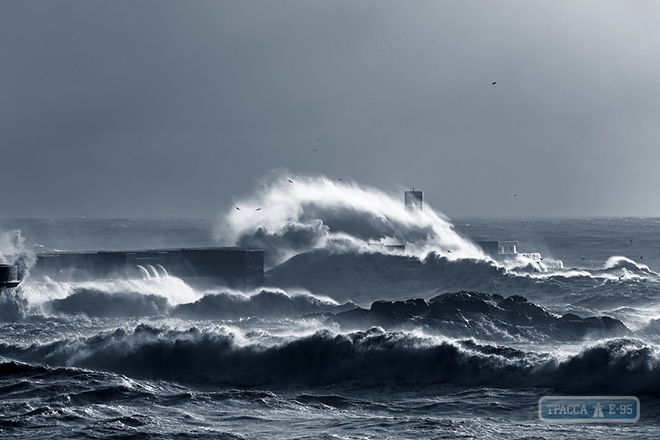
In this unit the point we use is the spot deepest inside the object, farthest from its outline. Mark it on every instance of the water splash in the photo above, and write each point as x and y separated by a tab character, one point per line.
144	272
289	214
162	272
13	251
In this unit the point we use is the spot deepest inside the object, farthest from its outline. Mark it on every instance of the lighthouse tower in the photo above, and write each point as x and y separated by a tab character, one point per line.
414	200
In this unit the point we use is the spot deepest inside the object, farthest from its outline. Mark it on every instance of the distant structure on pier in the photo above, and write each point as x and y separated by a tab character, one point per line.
499	249
413	200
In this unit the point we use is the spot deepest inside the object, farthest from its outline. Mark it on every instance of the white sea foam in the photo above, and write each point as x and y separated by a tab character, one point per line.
289	214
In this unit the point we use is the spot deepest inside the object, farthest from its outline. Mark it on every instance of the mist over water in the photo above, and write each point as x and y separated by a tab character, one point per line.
346	337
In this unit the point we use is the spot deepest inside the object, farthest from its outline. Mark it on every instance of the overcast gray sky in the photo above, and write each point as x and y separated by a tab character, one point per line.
177	108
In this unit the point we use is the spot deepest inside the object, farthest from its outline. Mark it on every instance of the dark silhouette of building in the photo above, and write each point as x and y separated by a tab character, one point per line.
8	276
413	199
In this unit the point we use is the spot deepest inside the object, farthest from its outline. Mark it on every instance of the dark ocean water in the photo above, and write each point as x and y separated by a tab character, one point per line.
307	355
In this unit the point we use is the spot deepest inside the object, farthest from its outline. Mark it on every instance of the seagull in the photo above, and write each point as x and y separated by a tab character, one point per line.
339	180
494	82
641	258
258	209
515	195
630	240
318	140
315	149
448	251
238	208
290	181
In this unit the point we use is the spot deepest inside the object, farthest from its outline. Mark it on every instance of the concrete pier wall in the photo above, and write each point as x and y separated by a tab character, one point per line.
231	265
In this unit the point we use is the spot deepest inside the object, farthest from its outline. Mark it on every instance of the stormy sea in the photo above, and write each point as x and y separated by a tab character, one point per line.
372	321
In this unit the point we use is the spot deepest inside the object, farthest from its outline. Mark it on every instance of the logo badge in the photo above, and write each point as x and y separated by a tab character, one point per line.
589	409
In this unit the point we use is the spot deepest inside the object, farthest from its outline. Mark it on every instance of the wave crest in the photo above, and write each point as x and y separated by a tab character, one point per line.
620	365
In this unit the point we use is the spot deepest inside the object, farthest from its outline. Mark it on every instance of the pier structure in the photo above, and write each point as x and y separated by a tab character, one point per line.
228	265
499	249
8	276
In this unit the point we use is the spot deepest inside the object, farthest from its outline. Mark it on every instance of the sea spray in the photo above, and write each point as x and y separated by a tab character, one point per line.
13	251
289	214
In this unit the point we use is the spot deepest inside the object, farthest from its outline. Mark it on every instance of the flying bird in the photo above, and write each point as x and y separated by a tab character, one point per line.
290	181
318	140
494	82
238	208
630	240
515	195
258	209
315	149
448	251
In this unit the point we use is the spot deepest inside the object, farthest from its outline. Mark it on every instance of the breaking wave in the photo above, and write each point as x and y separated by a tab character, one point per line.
290	214
335	239
266	303
164	297
627	366
98	303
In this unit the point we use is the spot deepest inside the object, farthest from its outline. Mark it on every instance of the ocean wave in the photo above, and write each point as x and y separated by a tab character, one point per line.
624	366
98	303
460	314
628	366
367	276
364	277
266	303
